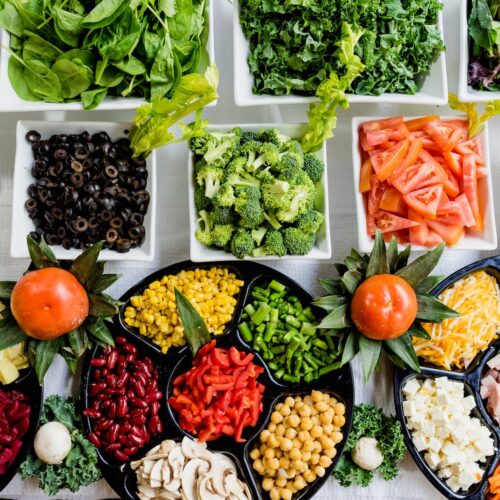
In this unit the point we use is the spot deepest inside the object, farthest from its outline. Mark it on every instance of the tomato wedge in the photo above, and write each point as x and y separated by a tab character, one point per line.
386	161
450	233
418	234
446	134
425	201
382	131
392	201
472	146
420	123
387	222
450	213
433	239
466	211
452	160
364	176
451	184
481	172
410	158
469	180
373	203
418	176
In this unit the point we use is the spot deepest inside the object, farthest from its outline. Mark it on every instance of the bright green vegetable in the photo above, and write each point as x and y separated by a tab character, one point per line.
79	468
284	331
65	51
369	421
260	184
476	121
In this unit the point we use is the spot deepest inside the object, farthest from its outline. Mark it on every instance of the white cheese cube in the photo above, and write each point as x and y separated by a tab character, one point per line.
435	444
444	473
429	385
432	459
442	382
459	435
419	442
411	387
409	408
450	450
466	479
429	428
439	417
469	402
453	483
443	398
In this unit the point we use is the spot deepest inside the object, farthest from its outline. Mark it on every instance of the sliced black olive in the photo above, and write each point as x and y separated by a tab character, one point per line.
81	224
116	222
60	154
136	218
111	171
82	153
33	136
50	219
111	235
106	215
51	239
136	232
61	232
125	214
123	245
93	222
57	213
66	243
77	179
43	195
35	235
31	205
76	166
139	161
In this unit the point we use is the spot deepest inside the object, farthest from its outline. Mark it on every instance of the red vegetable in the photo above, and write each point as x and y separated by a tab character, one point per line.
125	401
14	423
219	395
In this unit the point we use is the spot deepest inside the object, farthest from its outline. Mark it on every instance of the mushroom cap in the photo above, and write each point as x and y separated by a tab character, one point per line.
52	443
366	454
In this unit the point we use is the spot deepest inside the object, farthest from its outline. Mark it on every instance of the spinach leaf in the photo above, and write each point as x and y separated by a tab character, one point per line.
38	48
11	20
75	78
41	80
92	98
104	13
16	77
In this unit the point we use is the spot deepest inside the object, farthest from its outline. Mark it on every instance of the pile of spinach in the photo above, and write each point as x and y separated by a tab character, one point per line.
293	43
69	50
484	58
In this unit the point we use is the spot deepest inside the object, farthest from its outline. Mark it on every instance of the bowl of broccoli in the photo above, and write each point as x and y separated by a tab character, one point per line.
254	194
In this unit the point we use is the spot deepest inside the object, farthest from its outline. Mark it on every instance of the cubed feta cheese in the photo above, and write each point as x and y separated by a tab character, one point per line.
409	408
420	443
435	444
411	387
469	402
432	459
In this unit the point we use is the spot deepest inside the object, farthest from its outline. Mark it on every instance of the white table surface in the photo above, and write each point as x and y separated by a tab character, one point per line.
172	243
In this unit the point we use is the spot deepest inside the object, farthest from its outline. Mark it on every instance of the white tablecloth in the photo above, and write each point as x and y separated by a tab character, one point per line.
173	234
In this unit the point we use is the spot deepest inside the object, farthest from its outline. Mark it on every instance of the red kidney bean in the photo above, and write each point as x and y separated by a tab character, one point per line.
104	372
5	439
97	388
98	362
91	413
139	389
153	424
135	439
130	451
154	408
101	396
138	419
113	447
103	424
141	378
130	357
97	375
111	381
95	440
121	406
112	434
125	428
120	456
138	402
112	410
120	340
123	379
123	439
112	359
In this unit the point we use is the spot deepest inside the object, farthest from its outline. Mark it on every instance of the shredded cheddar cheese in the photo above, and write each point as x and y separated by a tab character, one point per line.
455	342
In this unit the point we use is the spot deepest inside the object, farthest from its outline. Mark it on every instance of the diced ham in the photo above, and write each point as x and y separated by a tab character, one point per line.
487	385
492	372
494	401
494	362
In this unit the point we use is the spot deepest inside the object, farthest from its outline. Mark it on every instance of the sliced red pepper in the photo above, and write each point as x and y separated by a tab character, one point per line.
239	358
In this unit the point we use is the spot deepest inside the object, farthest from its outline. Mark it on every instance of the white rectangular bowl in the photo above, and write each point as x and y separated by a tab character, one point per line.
465	92
487	240
9	101
22	225
433	91
322	248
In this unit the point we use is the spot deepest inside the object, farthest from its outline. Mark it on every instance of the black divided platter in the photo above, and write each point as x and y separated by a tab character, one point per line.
472	380
28	384
178	360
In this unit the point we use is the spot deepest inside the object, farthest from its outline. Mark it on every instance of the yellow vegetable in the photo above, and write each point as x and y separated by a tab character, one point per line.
456	342
12	359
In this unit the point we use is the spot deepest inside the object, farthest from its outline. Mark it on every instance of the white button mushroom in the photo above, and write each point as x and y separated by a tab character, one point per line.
52	443
366	453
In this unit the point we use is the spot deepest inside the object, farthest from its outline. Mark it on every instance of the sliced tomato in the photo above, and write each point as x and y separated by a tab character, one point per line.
450	233
466	211
433	239
453	162
383	131
420	123
450	213
362	141
458	123
420	233
430	145
410	158
451	184
472	146
401	236
373	202
364	176
392	201
425	201
481	172
440	133
386	161
387	222
469	181
419	176
444	198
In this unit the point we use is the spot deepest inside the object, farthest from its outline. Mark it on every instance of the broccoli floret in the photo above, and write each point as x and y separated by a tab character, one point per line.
236	166
204	232
297	242
223	215
273	245
273	136
310	222
270	216
201	202
313	167
247	192
288	167
258	234
217	148
293	148
249	151
274	193
298	200
242	243
250	211
212	178
268	154
264	175
224	197
221	234
247	136
243	179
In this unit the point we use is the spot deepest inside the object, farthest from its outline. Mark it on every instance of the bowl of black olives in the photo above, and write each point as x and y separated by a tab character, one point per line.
76	183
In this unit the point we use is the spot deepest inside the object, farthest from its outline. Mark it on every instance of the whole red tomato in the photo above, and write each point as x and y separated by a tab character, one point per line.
48	303
384	307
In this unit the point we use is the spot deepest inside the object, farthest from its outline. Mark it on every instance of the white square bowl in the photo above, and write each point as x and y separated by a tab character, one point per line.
465	92
434	89
9	100
472	240
322	248
22	225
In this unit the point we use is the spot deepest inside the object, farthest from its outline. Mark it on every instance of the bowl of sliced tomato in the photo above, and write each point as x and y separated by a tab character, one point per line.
424	181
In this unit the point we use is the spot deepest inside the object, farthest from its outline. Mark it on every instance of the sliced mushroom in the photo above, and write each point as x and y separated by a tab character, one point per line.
190	475
206	491
155	477
176	459
193	449
235	487
173	486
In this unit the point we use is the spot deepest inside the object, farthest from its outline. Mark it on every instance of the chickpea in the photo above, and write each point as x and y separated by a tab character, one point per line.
305	411
267	484
286	444
290	402
304	436
271	427
294	454
330	453
280	482
264	435
306	424
317	447
273	442
325	462
291	473
326	417
328	429
309	476
297	464
319	471
258	466
322	406
316	396
308	445
285	494
308	400
327	443
285	411
316	431
339	420
278	453
291	487
337	437
297	399
299	405
280	430
300	482
254	454
290	433
339	409
293	421
306	456
284	462
282	473
315	459
273	463
274	494
276	417
269	453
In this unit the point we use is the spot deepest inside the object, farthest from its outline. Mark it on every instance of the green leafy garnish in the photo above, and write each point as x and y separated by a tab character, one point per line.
476	121
79	468
369	421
